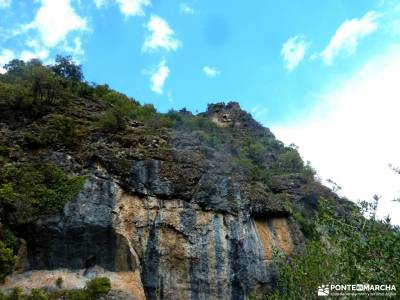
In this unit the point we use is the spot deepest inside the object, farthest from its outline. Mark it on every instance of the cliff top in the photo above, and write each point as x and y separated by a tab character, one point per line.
49	113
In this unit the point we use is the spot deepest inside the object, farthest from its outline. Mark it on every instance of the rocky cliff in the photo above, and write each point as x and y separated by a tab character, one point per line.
192	207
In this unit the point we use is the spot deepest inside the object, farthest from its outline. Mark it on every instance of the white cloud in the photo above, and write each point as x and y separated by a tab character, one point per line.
55	20
27	55
76	49
5	3
133	7
161	36
127	7
37	50
293	51
6	56
100	3
211	71
347	36
352	135
159	77
186	9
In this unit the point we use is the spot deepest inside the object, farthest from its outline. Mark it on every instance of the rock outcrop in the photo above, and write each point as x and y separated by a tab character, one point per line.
181	221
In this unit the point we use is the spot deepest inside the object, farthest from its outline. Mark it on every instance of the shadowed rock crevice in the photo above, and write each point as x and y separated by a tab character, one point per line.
150	275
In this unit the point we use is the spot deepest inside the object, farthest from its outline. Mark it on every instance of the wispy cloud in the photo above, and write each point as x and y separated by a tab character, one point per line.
348	35
160	37
76	49
127	7
351	135
211	71
186	9
293	51
159	76
5	56
5	3
100	3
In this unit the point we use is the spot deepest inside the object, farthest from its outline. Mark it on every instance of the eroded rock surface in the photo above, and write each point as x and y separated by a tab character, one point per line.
178	222
161	248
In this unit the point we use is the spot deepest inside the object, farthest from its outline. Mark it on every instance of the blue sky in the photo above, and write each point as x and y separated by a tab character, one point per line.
321	74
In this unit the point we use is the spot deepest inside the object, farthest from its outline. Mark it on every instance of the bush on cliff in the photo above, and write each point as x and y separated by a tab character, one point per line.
30	190
7	260
60	131
97	287
94	290
359	250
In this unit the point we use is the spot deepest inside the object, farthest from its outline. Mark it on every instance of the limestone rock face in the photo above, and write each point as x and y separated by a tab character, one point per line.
180	221
160	248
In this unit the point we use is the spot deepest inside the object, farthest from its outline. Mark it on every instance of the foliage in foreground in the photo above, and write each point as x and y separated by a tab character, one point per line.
94	289
360	250
29	190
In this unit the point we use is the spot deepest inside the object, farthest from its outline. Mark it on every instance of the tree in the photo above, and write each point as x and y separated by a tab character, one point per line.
15	67
358	249
66	67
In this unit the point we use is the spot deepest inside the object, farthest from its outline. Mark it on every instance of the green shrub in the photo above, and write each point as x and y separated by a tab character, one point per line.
123	108
97	287
60	130
308	172
306	224
37	294
4	150
101	90
85	90
15	97
290	162
7	260
358	250
77	295
8	238
94	289
113	120
14	294
30	190
145	113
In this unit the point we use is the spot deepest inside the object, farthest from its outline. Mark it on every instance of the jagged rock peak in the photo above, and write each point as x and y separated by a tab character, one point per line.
232	115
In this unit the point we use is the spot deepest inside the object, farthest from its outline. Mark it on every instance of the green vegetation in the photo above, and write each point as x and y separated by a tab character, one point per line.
59	131
31	190
358	250
251	157
97	287
8	248
201	128
94	289
7	260
66	68
31	89
28	191
123	109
